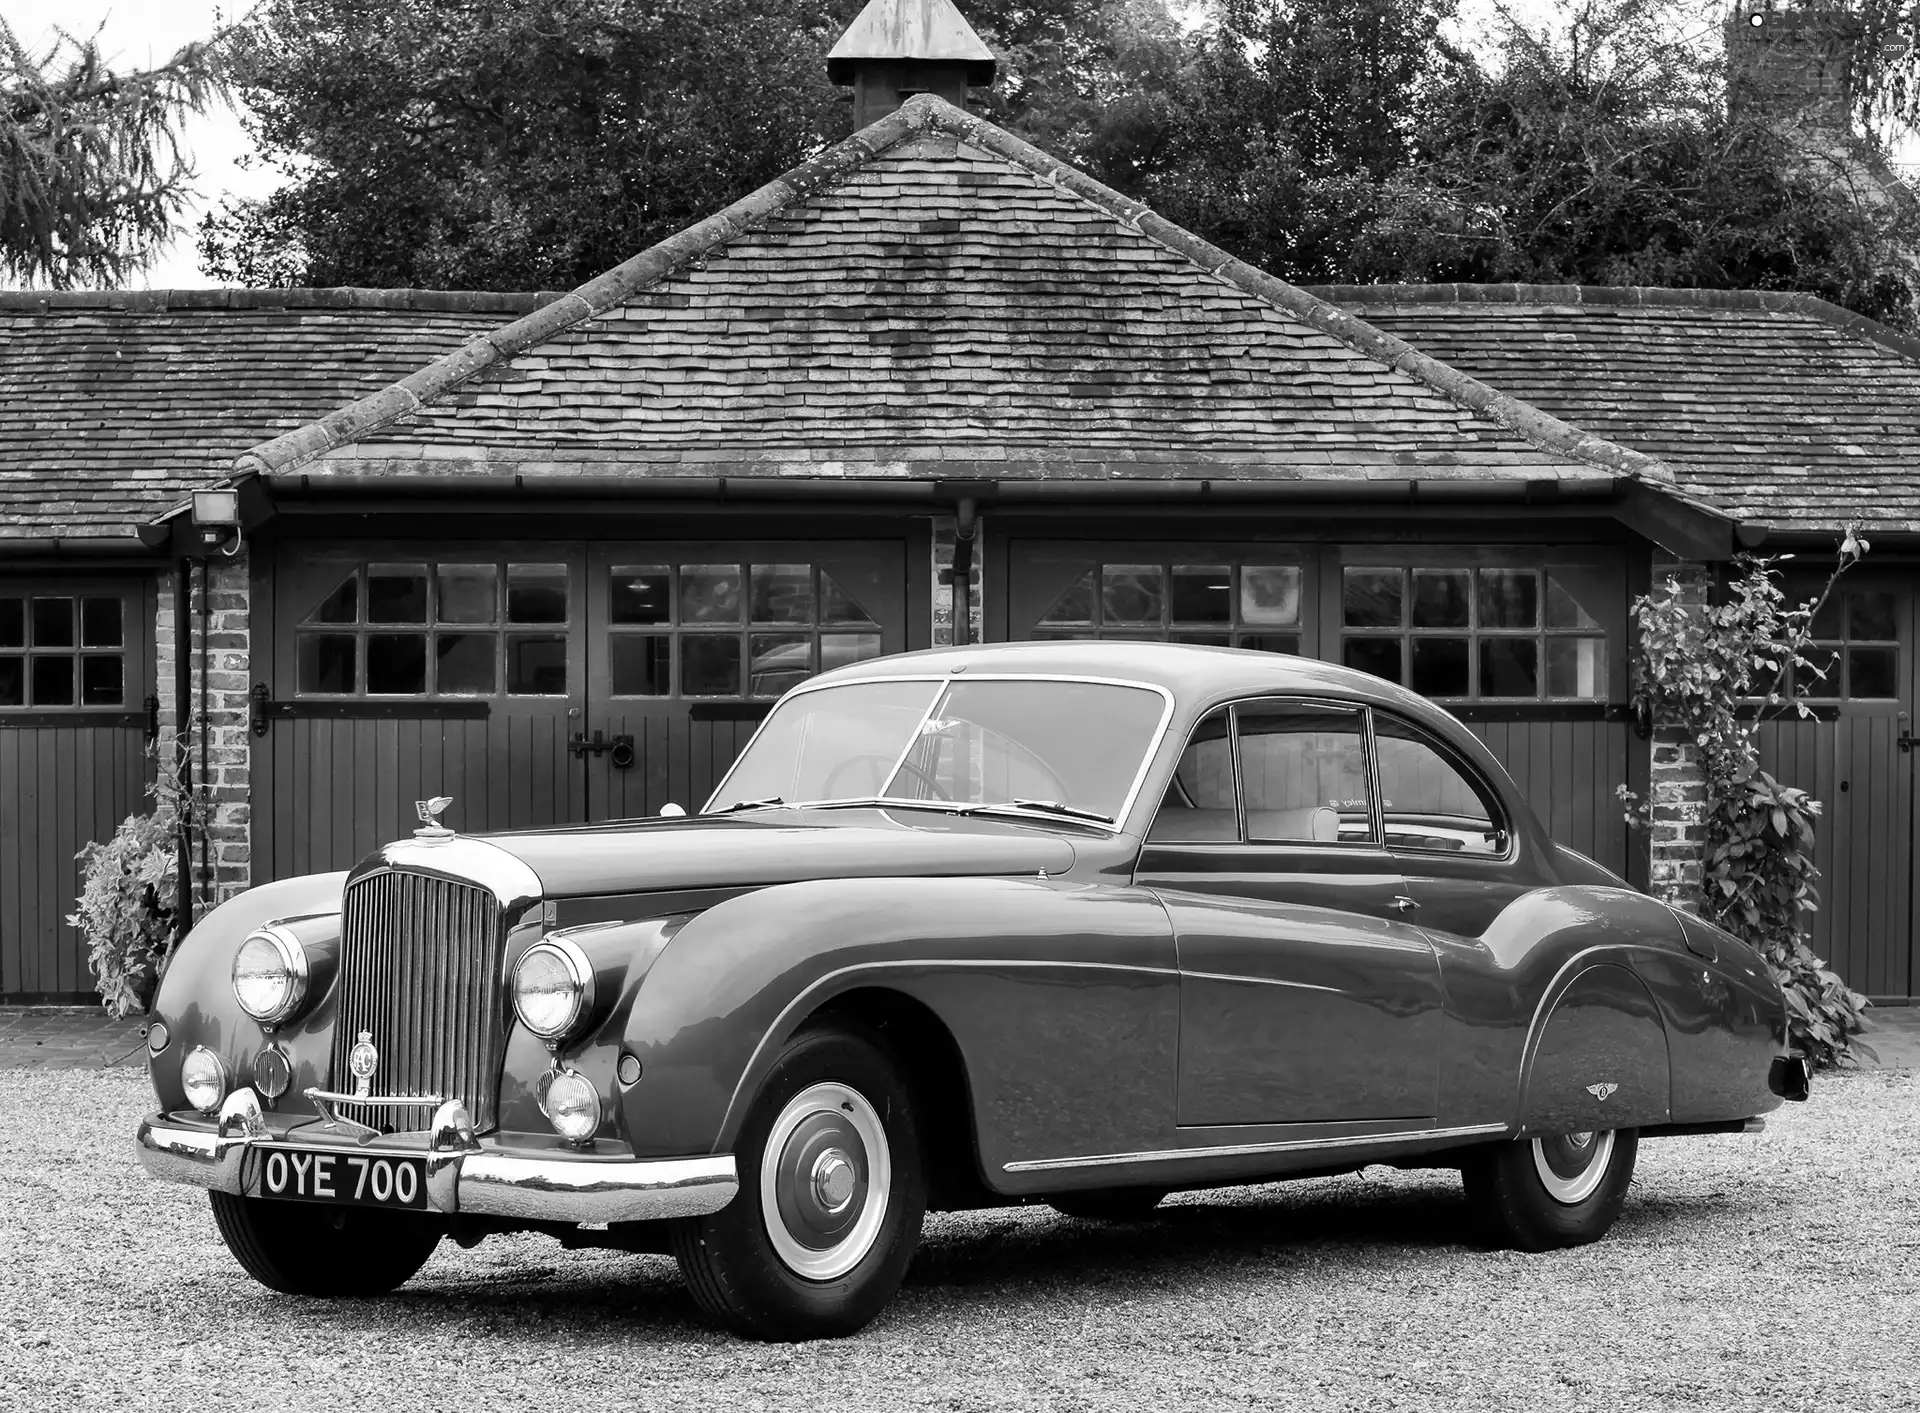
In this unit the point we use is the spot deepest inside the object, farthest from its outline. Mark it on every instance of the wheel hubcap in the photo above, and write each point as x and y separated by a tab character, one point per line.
1571	1166
825	1177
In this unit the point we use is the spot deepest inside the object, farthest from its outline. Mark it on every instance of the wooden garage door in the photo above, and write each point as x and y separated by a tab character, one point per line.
1519	643
1853	760
539	684
74	679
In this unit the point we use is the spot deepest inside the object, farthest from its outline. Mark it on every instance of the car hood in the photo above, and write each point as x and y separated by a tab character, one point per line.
785	846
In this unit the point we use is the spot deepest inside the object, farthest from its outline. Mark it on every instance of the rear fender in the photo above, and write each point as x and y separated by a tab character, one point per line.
1062	1000
1598	1057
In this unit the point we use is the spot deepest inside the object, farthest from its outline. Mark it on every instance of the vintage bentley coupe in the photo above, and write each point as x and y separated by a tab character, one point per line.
1079	923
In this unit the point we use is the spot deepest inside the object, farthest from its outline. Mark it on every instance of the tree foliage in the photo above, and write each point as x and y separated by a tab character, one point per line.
92	178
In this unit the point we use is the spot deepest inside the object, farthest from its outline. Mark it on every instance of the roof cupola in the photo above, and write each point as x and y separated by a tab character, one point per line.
897	48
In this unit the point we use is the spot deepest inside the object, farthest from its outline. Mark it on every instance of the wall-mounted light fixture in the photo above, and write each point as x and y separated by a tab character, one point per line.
216	520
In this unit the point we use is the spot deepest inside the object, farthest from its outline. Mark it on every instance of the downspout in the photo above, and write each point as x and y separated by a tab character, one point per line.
182	760
966	525
206	662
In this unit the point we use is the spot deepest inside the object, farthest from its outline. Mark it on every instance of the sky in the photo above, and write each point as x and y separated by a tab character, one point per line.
140	33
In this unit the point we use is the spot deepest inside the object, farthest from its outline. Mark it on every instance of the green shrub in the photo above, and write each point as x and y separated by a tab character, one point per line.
129	900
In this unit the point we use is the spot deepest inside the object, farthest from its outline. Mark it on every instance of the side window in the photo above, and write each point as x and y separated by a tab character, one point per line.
1431	801
1303	771
1199	806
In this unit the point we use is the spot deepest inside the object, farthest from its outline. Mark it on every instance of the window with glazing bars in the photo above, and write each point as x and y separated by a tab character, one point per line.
62	650
1244	605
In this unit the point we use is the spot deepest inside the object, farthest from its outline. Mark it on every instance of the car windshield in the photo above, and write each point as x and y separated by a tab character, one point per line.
1042	744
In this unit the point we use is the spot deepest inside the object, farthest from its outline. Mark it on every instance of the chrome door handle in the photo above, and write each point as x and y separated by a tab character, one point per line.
1404	903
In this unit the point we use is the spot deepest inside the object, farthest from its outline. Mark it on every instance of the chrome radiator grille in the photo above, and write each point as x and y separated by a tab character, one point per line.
419	971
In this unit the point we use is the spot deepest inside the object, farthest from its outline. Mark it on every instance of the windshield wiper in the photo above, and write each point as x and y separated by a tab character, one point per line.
1043	807
737	805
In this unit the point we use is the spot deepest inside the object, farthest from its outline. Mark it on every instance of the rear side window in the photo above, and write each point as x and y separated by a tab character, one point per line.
1429	799
1303	770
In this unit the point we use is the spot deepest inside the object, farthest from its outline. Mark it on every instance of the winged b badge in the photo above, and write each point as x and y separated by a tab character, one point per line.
430	812
1601	1091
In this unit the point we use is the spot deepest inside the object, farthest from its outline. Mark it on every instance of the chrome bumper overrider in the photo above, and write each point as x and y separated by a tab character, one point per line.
463	1173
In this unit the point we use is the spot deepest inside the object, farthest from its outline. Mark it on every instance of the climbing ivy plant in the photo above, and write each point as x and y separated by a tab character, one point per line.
1713	672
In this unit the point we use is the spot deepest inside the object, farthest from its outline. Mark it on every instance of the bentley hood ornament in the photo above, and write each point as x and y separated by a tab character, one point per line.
430	812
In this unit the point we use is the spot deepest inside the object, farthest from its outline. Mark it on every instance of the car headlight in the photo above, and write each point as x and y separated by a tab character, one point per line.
203	1075
573	1106
552	987
270	975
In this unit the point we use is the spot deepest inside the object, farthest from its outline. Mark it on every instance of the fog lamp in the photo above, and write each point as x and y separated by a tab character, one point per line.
203	1076
573	1106
552	987
272	1072
270	975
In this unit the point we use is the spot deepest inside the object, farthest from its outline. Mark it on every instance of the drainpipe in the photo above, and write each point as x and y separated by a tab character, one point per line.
182	760
206	662
966	525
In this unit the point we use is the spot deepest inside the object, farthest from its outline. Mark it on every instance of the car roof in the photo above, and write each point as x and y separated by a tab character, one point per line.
1193	673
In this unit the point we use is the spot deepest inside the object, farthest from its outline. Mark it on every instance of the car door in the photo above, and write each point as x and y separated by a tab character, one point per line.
1447	831
1303	998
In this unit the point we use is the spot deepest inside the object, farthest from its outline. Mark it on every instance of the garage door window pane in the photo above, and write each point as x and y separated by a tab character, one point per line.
53	623
13	681
1440	600
1202	594
327	663
396	663
710	593
710	665
13	623
1441	665
469	593
1577	667
1132	593
536	593
1269	642
1269	595
1372	598
396	594
1380	656
1075	604
1871	672
100	623
536	666
839	606
779	661
1509	667
100	681
782	593
1871	616
641	664
640	593
1509	598
465	664
839	649
52	681
342	605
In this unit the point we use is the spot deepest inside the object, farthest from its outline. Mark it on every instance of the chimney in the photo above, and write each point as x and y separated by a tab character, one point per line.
897	48
1792	65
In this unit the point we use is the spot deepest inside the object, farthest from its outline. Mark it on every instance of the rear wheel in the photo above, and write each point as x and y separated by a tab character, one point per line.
832	1193
1536	1194
301	1248
1109	1204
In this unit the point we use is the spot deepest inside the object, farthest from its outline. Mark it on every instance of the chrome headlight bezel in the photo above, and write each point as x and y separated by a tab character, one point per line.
294	962
580	973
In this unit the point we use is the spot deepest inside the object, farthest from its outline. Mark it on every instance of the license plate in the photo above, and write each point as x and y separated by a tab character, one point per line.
356	1179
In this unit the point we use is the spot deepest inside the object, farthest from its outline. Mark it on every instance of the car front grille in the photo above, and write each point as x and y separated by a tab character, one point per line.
420	962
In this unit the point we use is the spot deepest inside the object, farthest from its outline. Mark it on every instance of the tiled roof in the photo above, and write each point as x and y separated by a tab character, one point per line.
1791	412
935	297
112	405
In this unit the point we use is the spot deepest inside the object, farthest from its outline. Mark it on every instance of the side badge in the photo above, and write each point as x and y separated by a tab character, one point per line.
1601	1091
363	1060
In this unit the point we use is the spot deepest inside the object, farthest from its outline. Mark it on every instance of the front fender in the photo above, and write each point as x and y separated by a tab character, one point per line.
195	998
1062	999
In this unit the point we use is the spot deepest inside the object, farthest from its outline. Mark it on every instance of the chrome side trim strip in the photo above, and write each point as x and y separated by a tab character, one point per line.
1249	1150
1257	981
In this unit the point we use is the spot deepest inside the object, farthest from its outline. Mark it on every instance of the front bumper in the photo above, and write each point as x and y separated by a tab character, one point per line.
464	1174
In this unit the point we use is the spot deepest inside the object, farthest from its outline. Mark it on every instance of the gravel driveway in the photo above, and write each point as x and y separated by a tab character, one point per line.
1776	1272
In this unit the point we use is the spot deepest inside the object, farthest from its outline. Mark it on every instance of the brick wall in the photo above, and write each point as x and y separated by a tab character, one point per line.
944	531
1677	788
226	785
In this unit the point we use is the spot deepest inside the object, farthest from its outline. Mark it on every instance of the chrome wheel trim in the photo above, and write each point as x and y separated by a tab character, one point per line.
826	1179
1571	1166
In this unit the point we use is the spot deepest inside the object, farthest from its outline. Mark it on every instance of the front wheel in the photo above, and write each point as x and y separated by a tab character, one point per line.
302	1248
832	1193
1537	1194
